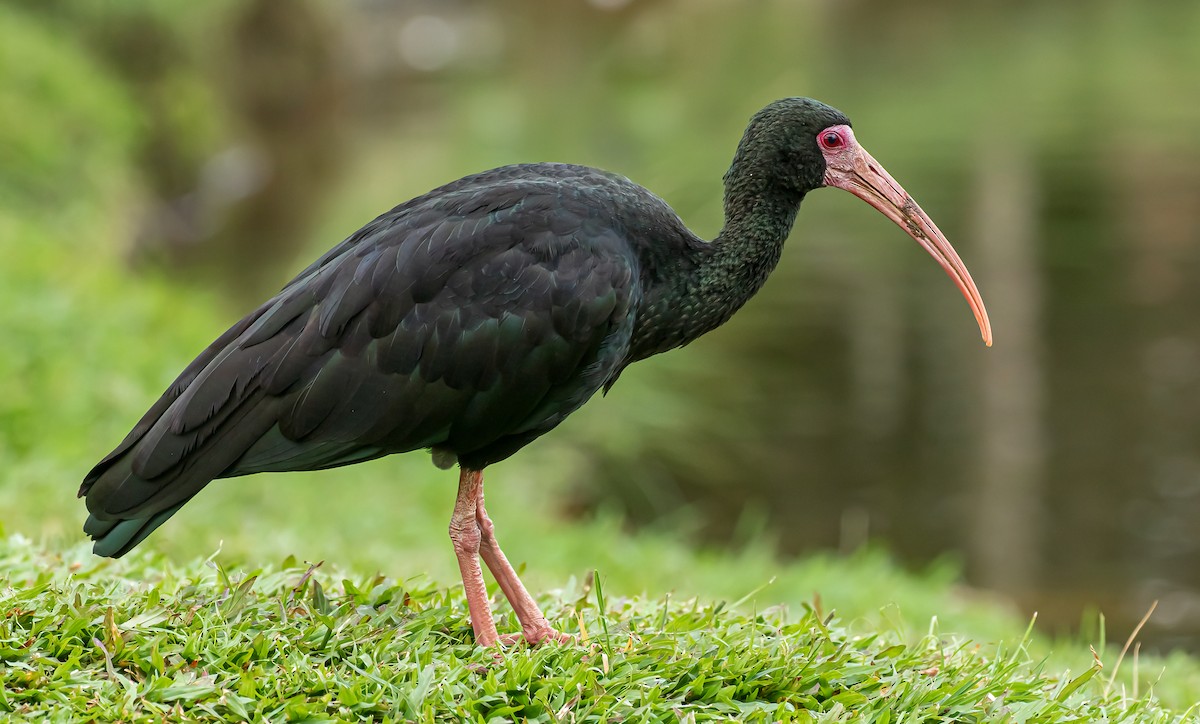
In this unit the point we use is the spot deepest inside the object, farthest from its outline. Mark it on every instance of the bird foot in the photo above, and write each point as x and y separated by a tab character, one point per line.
537	636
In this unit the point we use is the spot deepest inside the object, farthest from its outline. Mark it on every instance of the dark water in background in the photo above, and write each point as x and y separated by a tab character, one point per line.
1055	144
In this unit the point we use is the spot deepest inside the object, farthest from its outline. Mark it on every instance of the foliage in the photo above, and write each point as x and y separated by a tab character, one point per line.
145	640
63	122
69	362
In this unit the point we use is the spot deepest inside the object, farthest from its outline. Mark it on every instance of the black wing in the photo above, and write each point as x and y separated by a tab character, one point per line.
471	322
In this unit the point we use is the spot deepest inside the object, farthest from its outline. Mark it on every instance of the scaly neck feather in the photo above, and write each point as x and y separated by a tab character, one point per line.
708	282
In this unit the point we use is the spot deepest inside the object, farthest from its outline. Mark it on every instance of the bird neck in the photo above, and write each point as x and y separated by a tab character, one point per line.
747	249
708	282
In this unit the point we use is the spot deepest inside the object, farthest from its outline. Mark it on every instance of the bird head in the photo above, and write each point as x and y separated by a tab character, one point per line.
802	145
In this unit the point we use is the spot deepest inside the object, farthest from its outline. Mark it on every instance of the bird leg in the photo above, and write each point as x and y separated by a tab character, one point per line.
534	625
465	535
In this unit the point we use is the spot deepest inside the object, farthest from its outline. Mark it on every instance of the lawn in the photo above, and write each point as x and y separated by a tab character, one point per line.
150	640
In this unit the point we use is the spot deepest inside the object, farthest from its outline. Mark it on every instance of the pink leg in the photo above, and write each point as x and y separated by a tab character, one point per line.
534	625
466	536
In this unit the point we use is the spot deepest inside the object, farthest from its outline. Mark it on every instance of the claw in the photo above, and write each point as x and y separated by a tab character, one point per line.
538	637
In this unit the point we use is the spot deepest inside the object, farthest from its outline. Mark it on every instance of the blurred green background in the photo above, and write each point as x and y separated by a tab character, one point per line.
165	164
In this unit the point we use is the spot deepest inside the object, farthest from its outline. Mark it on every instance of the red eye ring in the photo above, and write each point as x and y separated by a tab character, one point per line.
830	140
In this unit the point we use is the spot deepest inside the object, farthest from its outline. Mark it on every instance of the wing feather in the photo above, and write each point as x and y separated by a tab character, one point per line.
471	322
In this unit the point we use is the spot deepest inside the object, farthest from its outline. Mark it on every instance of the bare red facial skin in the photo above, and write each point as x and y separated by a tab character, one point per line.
848	166
833	139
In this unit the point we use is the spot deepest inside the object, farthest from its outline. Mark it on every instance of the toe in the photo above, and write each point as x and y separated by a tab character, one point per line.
547	634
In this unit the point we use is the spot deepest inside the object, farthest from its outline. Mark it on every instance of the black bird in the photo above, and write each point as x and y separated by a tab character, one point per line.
475	318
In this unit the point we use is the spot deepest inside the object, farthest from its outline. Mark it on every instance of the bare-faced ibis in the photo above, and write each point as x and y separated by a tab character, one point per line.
473	319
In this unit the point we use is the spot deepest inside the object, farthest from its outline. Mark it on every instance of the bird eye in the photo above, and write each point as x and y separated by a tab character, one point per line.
830	140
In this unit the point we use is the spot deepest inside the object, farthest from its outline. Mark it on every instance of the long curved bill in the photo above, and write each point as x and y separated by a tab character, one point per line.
853	169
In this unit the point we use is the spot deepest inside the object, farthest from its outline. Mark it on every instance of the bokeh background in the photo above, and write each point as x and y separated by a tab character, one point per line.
166	164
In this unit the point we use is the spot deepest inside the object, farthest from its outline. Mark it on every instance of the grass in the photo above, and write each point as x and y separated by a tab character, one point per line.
148	640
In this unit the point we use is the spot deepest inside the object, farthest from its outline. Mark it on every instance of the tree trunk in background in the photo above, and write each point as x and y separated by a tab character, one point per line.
878	392
1004	538
1162	219
239	215
288	85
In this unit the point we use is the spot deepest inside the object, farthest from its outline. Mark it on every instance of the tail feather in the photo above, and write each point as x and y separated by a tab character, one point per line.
207	419
126	507
168	398
115	538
